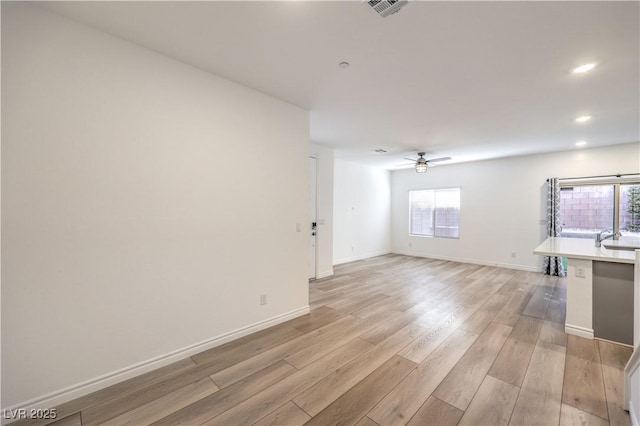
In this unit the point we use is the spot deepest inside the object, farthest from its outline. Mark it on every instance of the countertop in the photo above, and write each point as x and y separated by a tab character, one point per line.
585	248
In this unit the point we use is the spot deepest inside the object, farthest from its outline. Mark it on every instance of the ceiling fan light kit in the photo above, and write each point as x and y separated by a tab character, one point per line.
421	164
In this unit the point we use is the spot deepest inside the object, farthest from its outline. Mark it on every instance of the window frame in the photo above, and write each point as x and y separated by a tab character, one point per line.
434	190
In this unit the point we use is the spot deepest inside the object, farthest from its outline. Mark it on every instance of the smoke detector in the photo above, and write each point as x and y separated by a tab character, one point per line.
385	8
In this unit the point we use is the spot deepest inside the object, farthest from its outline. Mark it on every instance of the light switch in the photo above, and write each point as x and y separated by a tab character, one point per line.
580	272
298	227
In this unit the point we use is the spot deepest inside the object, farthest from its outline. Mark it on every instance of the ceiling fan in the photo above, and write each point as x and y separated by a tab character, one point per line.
421	163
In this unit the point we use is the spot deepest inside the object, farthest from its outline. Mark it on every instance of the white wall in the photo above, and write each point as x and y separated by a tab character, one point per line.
503	203
134	227
361	212
324	235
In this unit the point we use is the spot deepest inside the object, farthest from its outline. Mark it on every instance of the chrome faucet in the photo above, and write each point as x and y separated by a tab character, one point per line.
599	239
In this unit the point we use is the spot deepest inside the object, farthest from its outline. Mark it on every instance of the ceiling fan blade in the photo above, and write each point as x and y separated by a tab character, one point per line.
405	164
410	159
435	160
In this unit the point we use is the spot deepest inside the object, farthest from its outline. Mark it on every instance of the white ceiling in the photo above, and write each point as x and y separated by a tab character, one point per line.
470	80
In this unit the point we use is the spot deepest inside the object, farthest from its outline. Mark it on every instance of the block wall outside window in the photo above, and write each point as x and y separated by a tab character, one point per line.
588	209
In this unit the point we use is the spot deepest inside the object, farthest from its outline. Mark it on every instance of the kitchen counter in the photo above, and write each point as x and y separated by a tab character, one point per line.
585	248
584	266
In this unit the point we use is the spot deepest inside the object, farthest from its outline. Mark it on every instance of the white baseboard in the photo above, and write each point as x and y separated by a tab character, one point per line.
631	369
576	330
634	361
56	398
634	416
324	274
472	261
360	257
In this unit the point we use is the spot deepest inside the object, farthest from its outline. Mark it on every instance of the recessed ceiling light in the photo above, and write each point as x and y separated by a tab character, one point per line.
584	68
581	143
344	64
583	119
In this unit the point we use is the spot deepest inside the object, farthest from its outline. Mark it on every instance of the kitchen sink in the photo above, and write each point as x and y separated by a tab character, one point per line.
616	247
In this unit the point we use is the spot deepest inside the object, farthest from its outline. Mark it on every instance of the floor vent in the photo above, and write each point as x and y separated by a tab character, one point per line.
385	8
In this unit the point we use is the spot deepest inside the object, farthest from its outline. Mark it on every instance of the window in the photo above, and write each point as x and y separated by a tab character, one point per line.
629	209
435	212
587	209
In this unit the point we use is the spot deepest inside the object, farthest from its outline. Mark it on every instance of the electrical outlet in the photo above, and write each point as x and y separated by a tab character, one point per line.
410	244
353	249
263	299
580	272
513	254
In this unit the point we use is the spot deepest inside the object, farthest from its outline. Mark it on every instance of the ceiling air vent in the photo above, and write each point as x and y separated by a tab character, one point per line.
386	7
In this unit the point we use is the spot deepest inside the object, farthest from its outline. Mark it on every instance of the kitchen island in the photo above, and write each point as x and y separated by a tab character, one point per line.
599	286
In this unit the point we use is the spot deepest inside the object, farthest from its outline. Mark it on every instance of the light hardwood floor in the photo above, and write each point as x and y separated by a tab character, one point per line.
390	340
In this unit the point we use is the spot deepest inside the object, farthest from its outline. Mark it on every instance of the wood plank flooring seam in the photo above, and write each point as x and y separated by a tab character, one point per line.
573	406
460	400
404	401
562	387
293	402
602	370
581	390
450	417
517	336
571	416
540	398
606	396
366	421
514	407
518	395
519	387
279	393
271	412
356	402
493	402
476	393
297	369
